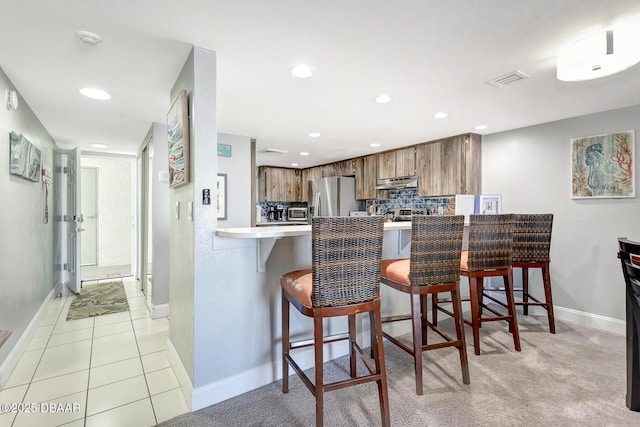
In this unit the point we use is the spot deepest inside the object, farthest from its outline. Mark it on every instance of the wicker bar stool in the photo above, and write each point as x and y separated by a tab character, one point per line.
344	281
531	245
489	255
434	267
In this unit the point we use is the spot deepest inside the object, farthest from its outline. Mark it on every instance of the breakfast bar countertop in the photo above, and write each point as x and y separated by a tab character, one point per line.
263	232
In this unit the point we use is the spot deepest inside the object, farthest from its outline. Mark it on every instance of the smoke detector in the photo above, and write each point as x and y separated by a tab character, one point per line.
89	38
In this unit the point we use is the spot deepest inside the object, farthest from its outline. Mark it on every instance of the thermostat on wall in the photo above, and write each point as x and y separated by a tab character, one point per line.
163	176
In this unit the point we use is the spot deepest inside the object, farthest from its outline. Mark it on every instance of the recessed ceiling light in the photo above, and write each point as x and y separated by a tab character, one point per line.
440	115
294	164
93	93
383	99
99	146
301	71
375	144
314	135
304	153
480	127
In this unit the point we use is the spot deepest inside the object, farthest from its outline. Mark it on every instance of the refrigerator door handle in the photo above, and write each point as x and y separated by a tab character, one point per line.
317	204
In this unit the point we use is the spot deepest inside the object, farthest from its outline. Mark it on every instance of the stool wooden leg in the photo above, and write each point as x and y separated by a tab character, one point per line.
285	343
319	384
352	340
525	291
546	279
434	309
475	313
423	317
462	348
416	321
480	298
511	306
383	394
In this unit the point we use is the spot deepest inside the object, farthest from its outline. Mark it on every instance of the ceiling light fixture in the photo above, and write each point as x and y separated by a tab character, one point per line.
99	146
304	153
440	115
301	71
93	93
599	54
294	164
374	144
314	135
383	99
480	127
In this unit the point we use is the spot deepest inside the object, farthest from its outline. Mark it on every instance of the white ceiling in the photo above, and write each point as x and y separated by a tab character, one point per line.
429	55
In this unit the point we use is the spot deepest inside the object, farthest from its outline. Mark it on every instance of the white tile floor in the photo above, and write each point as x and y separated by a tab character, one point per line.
112	370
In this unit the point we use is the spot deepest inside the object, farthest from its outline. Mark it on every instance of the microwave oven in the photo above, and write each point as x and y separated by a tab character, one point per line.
297	214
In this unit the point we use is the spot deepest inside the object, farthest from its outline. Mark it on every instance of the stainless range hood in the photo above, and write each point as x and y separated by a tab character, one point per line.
397	183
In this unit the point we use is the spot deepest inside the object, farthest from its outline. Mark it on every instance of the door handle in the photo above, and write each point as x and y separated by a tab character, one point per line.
80	229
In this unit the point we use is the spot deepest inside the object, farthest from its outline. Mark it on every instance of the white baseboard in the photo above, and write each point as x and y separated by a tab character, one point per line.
590	320
181	374
158	311
16	352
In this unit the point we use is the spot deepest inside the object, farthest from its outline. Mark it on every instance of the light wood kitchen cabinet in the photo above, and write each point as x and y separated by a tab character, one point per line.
342	168
449	166
366	177
387	165
397	163
308	174
279	184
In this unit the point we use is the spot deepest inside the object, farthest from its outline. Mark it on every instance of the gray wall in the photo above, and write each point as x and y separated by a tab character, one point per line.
530	167
238	170
191	256
27	245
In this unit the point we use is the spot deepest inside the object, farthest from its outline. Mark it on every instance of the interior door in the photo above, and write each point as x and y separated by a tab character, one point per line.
72	217
89	199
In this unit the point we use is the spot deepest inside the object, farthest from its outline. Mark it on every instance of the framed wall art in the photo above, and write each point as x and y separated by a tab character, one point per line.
222	196
178	134
602	166
24	158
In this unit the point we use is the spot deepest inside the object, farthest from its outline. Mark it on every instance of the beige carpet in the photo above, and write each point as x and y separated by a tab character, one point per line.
573	378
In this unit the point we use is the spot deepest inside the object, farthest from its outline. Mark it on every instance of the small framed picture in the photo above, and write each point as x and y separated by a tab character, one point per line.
221	202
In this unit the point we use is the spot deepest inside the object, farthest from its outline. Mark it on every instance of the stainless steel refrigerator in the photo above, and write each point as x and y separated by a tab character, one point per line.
333	196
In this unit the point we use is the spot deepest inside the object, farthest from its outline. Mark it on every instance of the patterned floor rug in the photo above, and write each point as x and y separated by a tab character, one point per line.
96	300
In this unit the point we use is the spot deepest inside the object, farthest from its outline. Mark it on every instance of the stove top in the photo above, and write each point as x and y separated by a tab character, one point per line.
404	214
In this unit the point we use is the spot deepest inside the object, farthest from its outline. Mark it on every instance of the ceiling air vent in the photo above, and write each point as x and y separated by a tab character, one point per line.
509	78
273	151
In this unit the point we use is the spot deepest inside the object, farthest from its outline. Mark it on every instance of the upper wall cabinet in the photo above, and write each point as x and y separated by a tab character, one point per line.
393	164
342	168
279	184
449	166
307	175
366	177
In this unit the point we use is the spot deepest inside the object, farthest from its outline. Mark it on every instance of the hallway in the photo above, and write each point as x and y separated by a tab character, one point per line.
112	370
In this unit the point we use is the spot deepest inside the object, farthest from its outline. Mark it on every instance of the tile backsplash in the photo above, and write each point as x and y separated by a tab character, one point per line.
408	198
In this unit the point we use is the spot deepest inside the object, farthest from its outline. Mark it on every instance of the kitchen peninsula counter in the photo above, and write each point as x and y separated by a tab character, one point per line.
263	232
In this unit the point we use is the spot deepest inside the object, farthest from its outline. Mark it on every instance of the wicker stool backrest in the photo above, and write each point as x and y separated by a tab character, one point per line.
436	243
532	237
490	242
346	255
